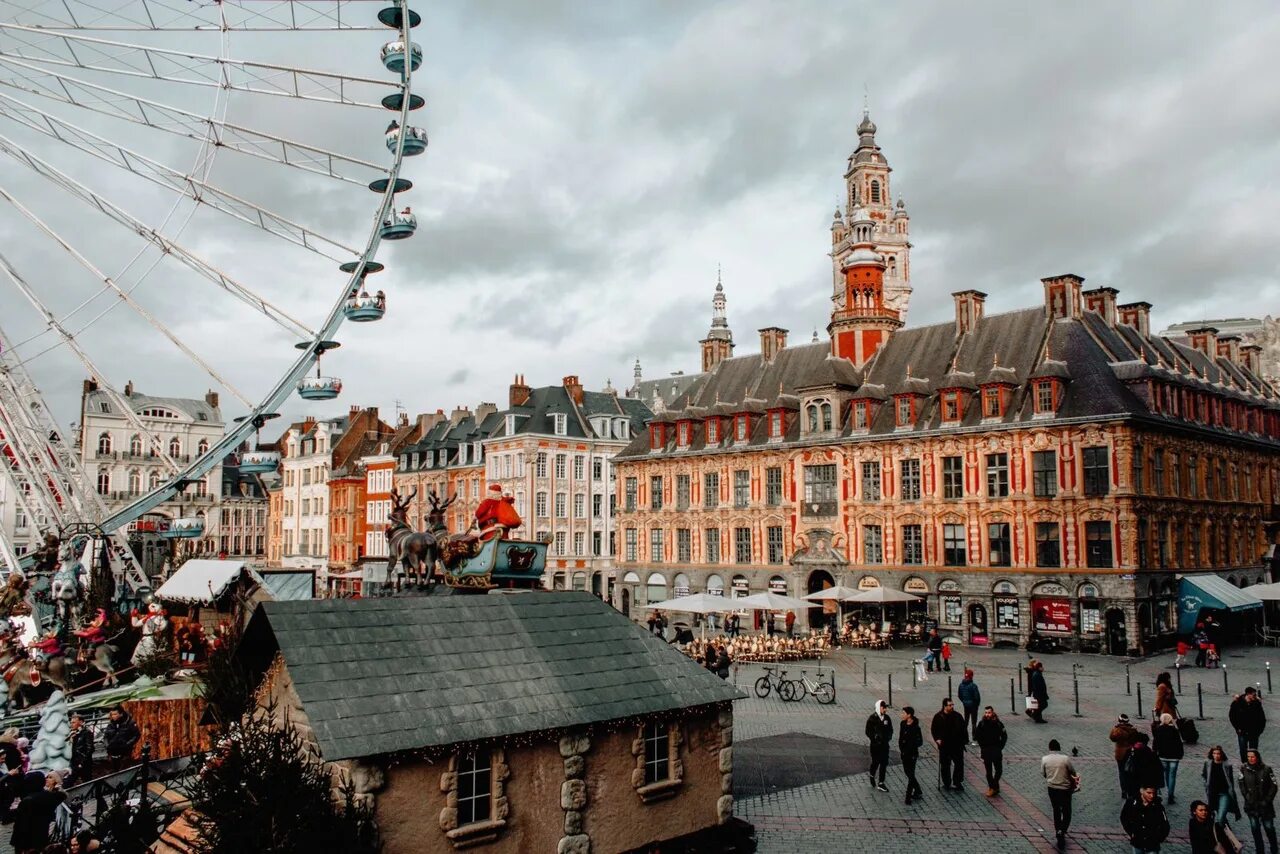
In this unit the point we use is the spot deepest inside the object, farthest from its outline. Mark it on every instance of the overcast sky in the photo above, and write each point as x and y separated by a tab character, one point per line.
592	163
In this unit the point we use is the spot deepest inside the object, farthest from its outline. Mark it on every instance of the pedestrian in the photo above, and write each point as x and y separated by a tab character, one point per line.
1063	781
9	752
970	699
1166	701
946	656
1167	742
1145	821
1183	648
1123	735
81	750
723	662
790	622
910	739
934	644
950	735
120	735
1220	785
709	657
1038	690
35	814
991	737
1258	788
879	737
1205	834
1142	766
1248	718
1201	641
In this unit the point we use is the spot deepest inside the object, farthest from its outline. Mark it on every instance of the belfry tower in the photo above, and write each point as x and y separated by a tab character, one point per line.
861	321
718	345
867	189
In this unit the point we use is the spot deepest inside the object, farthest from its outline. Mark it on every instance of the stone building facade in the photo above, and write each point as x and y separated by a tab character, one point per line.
1053	468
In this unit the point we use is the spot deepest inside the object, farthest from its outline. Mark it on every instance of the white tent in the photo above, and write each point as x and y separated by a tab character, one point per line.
770	601
839	593
882	595
1266	592
203	581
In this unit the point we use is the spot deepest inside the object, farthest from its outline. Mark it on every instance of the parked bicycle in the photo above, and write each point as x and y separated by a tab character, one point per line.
823	692
775	680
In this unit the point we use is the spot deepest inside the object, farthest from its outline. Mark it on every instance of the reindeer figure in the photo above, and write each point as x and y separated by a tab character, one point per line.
413	553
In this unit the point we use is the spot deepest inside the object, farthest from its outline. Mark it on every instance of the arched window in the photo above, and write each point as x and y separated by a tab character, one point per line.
104	443
175	447
826	416
875	192
203	447
893	266
153	480
135	481
715	585
656	587
813	419
135	445
104	482
580	581
681	587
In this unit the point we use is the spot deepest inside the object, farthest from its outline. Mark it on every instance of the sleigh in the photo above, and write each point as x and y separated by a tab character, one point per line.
500	563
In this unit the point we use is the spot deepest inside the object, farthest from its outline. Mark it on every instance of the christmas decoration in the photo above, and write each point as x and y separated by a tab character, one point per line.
52	749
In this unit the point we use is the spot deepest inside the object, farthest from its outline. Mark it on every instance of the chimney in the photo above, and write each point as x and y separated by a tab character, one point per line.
773	339
1229	346
308	423
128	390
403	420
574	388
969	307
1204	339
484	410
1062	296
1103	301
353	412
427	420
519	394
1251	358
89	385
1137	315
459	413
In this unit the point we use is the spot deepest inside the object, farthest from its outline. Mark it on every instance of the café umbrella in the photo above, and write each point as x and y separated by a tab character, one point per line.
839	594
883	596
697	603
770	601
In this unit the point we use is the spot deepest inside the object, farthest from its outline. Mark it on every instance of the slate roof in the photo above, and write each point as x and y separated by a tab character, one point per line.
1095	360
380	676
196	409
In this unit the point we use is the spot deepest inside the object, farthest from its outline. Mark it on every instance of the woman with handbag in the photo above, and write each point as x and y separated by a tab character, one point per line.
1220	786
1166	701
1037	691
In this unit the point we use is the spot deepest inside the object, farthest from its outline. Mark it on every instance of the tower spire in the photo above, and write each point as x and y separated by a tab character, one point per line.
718	345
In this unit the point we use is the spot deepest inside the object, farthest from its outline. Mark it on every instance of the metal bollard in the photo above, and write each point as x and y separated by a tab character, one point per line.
1200	699
1179	670
914	676
1075	686
949	694
864	672
1268	677
1225	689
1013	707
1141	712
1128	683
891	690
1019	678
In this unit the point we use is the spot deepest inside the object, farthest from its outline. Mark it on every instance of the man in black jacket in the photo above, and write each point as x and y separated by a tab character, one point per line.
120	735
991	737
950	735
934	645
910	740
1249	719
1145	821
81	751
880	736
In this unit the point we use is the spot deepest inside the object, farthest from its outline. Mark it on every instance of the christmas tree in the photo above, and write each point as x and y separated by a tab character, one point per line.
52	749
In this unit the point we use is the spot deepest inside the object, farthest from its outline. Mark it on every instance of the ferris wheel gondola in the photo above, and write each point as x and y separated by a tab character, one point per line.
79	54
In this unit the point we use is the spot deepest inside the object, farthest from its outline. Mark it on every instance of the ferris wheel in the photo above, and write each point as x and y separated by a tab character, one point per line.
107	104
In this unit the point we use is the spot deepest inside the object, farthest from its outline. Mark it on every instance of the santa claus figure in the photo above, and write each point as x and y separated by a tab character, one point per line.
96	632
152	624
496	514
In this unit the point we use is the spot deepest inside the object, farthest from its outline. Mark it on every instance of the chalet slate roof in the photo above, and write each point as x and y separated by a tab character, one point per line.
196	409
1052	368
957	379
379	676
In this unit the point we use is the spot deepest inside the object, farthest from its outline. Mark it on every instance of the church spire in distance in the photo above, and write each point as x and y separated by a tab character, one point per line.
718	345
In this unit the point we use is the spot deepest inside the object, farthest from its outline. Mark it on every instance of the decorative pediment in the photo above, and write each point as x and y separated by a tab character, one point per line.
817	547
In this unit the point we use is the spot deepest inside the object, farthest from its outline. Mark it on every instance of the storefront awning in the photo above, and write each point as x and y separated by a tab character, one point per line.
1209	591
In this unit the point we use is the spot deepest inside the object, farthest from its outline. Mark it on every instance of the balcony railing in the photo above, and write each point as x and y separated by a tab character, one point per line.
819	509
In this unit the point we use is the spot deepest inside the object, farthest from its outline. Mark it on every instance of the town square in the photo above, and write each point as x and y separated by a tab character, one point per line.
638	428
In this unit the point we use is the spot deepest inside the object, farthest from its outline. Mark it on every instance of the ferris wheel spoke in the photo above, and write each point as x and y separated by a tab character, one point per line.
157	173
175	66
177	15
164	117
128	300
192	261
24	287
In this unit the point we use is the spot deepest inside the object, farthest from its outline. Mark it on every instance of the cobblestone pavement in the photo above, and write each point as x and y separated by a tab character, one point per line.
843	813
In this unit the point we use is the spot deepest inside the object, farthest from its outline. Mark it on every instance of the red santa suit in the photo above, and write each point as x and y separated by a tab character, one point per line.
487	513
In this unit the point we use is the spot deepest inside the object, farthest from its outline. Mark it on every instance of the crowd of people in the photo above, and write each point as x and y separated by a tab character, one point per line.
757	648
1146	763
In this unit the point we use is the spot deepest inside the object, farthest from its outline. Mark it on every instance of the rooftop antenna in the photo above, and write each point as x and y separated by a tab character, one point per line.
866	99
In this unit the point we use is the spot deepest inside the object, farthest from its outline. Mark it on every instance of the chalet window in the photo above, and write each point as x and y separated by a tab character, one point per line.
562	423
475	787
952	477
954	545
713	431
684	545
682	491
991	403
712	539
773	538
775	424
682	434
773	486
655	545
872	544
870	481
904	412
1097	474
655	492
631	486
655	436
912	545
997	475
1044	474
1048	545
742	545
742	428
711	490
951	406
1044	396
910	480
1097	544
860	415
820	416
631	543
999	550
657	753
741	488
820	490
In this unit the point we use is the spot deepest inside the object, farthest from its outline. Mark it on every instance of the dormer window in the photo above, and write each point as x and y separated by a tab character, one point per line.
1045	397
905	411
992	404
475	451
776	424
655	436
741	428
951	409
682	433
713	431
860	415
561	423
511	425
820	419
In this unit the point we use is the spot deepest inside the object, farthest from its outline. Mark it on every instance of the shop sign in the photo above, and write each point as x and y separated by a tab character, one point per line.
1051	614
868	582
916	585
